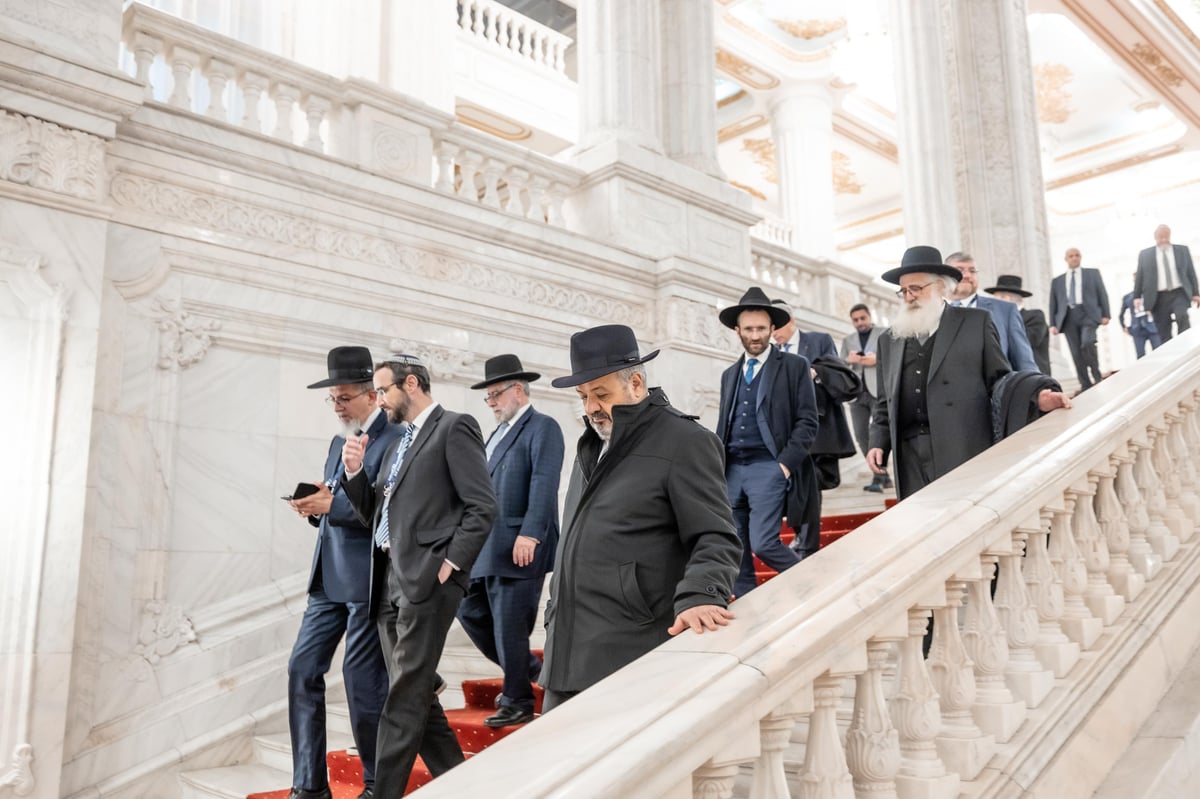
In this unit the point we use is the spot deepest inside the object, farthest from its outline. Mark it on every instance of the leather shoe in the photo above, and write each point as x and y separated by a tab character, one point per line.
875	488
368	793
300	793
508	716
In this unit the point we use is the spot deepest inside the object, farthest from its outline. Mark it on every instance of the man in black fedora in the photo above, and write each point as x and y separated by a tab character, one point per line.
648	548
524	455
1078	306
338	587
937	367
1008	288
767	423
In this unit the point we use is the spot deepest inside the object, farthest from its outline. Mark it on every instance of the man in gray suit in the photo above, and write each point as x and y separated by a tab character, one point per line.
432	507
1078	304
937	366
860	350
1165	279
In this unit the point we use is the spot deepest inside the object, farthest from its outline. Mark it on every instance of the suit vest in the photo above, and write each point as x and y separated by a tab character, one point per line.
745	441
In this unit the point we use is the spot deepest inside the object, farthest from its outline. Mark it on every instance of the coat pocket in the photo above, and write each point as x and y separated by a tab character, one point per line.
434	535
631	593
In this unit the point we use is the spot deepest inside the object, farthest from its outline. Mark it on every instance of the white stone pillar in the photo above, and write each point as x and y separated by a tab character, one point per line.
416	53
620	73
802	129
689	111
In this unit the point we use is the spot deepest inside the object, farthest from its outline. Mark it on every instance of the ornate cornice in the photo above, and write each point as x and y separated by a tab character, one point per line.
809	29
45	156
1156	63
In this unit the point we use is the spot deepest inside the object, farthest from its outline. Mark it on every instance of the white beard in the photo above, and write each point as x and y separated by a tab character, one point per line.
918	319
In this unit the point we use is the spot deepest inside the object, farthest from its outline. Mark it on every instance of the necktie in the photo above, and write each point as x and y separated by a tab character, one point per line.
750	364
494	441
957	303
1168	279
381	532
787	347
1071	291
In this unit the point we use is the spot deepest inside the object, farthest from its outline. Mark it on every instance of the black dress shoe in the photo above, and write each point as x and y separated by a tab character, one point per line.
508	716
300	793
875	488
368	793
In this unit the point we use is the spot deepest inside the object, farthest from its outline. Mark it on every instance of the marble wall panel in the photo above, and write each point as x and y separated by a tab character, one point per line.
89	30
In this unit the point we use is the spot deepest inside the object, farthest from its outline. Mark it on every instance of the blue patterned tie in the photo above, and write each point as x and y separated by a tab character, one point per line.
381	532
750	364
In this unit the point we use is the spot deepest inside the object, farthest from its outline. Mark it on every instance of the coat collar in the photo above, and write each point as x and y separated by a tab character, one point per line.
510	436
423	435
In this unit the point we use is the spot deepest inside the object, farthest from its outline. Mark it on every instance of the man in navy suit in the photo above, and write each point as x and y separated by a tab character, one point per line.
1013	340
525	456
767	424
809	345
1078	305
1165	279
338	588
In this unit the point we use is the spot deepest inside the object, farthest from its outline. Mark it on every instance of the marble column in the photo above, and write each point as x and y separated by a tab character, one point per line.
416	50
689	111
802	130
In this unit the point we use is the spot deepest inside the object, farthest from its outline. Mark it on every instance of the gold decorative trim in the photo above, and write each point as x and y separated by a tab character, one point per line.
865	240
1081	212
780	49
882	147
1050	81
1110	142
732	131
1155	61
809	29
843	176
1116	166
871	218
1183	28
1147	105
745	72
1172	187
753	192
733	98
869	103
489	122
763	153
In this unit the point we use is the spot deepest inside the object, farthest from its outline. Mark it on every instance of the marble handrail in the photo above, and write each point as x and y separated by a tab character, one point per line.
528	41
1095	550
774	231
805	278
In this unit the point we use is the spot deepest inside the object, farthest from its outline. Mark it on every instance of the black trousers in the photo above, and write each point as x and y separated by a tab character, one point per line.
499	614
1173	303
413	722
1081	340
913	465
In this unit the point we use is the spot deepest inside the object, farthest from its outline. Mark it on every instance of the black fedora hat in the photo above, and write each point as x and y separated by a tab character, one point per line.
921	259
754	300
504	367
347	365
600	351
1010	284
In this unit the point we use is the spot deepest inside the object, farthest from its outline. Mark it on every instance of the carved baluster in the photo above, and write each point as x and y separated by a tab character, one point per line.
491	179
560	62
503	23
477	24
1191	430
825	774
1114	527
445	162
872	743
1154	500
517	179
1168	477
253	86
714	779
538	187
963	746
284	97
489	32
1055	651
464	14
556	195
544	56
917	715
1182	461
1143	557
145	49
219	74
775	734
1099	596
315	109
525	34
183	61
468	167
1026	677
1077	621
985	642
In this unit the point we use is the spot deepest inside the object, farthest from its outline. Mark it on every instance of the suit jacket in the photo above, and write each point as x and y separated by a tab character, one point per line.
1038	333
441	508
1013	341
967	360
812	345
1145	282
1091	296
525	468
868	374
787	407
342	556
1143	325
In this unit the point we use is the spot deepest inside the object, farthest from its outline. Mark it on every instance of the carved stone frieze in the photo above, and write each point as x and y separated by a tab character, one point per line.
702	397
444	363
244	219
392	151
184	339
164	629
696	323
19	776
45	156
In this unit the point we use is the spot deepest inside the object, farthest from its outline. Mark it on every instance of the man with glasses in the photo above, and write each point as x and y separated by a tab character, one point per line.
937	367
338	588
525	456
1005	316
432	505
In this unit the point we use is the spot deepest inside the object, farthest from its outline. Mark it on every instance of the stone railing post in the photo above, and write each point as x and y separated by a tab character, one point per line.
1099	596
518	180
315	110
986	643
253	85
1026	677
182	61
1114	527
775	733
1141	555
1168	474
825	774
714	779
445	153
1162	541
145	49
468	167
284	96
1181	458
872	743
1054	650
917	715
1077	621
219	73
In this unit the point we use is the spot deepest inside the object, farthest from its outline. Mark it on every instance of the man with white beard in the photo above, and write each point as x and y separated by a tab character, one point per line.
937	367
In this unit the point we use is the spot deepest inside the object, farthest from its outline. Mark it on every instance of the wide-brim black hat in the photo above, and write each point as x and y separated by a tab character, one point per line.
1009	284
921	259
600	351
504	367
754	300
347	365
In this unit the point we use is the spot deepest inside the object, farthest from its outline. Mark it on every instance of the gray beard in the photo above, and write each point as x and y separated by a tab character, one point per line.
922	322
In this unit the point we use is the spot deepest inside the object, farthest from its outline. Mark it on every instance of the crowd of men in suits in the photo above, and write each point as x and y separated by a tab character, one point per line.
421	519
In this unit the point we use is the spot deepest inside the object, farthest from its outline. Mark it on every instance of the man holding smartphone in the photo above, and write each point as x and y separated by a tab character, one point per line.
338	587
859	351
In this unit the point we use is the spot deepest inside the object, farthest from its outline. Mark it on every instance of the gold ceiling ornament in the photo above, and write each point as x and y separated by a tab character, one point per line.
1053	100
744	71
753	192
733	98
1154	61
843	176
809	29
733	130
763	153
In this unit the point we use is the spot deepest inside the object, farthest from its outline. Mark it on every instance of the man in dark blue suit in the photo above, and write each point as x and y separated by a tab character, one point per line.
338	589
1078	305
767	424
1014	342
525	456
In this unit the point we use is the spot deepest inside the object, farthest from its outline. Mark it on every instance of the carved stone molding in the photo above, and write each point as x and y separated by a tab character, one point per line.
244	219
164	629
701	397
184	339
444	363
46	156
1154	61
393	151
19	776
696	323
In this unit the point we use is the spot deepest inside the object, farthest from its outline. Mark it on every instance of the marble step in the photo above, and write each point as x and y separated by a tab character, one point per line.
275	749
233	782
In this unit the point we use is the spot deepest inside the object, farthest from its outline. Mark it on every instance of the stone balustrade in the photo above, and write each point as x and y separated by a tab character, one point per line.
1087	519
773	231
818	283
495	26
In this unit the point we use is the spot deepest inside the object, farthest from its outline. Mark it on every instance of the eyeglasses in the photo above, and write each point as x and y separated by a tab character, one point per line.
345	400
492	396
913	290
